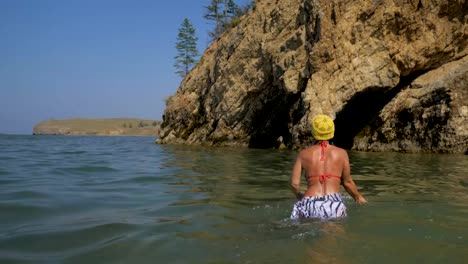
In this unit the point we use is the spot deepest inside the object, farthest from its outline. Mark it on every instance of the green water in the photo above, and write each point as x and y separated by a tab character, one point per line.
128	200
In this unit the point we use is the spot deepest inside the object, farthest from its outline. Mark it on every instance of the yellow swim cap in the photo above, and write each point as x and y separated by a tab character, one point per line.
323	127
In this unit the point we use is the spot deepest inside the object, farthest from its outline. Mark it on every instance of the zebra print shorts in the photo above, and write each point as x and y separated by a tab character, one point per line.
324	207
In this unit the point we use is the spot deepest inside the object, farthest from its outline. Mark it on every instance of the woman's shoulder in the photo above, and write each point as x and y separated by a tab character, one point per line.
338	149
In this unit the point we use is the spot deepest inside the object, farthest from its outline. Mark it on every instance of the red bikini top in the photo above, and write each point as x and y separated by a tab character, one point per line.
323	145
322	177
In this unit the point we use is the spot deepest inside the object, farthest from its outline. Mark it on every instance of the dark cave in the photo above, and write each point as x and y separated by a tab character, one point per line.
363	110
272	122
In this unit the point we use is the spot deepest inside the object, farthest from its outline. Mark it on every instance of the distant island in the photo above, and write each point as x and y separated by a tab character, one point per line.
99	127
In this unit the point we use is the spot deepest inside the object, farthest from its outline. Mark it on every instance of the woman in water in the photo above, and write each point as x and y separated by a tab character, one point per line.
326	167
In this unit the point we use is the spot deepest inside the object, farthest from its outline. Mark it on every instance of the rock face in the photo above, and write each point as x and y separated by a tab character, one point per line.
392	73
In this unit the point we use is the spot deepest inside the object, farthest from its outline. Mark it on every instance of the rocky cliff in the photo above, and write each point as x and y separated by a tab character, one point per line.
392	73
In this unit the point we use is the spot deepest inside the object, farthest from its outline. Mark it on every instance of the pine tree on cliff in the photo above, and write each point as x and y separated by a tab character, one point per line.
186	46
232	9
214	12
221	12
225	14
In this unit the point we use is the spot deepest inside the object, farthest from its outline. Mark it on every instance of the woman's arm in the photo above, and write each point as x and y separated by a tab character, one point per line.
296	178
349	184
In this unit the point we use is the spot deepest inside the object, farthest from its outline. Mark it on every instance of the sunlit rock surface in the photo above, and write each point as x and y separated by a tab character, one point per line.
392	73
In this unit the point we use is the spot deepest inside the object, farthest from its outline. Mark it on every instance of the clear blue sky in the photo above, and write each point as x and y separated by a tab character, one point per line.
90	58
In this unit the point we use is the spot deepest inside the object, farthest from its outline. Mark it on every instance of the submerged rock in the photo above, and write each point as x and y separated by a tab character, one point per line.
393	75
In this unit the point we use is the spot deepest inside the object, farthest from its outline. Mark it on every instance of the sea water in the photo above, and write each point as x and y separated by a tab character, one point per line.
71	199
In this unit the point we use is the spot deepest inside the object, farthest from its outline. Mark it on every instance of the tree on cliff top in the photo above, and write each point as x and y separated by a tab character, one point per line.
186	46
225	14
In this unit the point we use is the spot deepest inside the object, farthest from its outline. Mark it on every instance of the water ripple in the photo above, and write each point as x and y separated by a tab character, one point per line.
128	200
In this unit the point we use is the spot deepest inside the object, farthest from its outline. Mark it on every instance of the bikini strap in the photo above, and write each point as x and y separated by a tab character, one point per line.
322	179
324	176
323	145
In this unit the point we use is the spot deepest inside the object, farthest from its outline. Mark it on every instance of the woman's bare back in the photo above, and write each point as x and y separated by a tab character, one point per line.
323	165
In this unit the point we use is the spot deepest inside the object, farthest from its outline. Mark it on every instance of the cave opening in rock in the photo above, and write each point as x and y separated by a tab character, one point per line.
363	110
271	123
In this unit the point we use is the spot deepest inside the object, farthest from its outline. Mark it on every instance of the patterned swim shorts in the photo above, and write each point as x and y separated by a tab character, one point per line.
324	207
